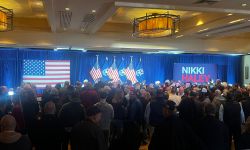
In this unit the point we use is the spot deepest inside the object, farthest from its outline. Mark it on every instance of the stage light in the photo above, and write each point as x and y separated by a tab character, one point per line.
11	92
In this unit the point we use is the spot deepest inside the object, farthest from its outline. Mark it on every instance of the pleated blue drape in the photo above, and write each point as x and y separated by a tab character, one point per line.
156	66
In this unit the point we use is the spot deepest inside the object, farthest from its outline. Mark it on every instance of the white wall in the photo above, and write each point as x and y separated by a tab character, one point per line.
246	62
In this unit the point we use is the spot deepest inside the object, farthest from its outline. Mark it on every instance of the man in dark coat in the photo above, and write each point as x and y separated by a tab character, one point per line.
173	133
87	135
49	129
212	131
131	134
70	114
231	113
156	107
244	141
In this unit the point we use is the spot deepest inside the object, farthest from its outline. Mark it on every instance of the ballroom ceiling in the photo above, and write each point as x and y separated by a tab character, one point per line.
221	27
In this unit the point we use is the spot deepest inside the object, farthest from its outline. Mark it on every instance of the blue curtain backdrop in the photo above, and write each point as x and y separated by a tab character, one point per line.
156	66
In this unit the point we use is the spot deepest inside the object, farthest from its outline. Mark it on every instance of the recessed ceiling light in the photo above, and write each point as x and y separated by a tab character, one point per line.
39	3
64	29
67	9
207	35
229	14
200	22
238	20
179	36
203	30
244	5
93	11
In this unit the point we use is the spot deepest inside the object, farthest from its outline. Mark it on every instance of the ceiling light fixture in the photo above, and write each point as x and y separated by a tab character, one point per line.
179	36
235	21
93	11
207	35
6	19
244	5
229	14
67	9
203	30
156	25
200	22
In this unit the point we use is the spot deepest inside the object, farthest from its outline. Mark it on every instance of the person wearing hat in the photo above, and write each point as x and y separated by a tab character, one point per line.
87	135
173	133
70	114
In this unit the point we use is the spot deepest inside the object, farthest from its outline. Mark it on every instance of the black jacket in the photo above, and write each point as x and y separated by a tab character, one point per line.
244	141
213	133
49	133
14	141
174	134
71	113
87	136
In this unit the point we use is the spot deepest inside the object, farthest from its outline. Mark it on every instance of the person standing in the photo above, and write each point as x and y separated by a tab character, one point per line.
87	135
70	114
132	127
9	139
213	132
231	113
107	114
173	133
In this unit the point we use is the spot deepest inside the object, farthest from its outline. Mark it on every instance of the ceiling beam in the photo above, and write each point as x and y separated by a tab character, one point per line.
206	8
50	10
100	21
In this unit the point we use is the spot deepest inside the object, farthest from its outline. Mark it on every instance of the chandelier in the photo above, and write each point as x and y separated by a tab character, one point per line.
155	25
6	19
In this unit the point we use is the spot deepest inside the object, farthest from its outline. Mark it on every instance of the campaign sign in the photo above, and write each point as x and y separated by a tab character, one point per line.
199	73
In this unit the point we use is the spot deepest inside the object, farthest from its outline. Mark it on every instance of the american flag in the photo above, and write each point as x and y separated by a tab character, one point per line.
113	72
130	73
96	72
46	72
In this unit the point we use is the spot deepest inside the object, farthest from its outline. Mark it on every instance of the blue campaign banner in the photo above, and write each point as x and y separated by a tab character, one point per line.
197	73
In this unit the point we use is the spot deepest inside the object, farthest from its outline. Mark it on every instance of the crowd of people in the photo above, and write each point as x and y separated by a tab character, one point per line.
113	116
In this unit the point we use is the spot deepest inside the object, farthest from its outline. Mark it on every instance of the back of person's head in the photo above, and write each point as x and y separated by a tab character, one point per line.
66	83
8	123
217	92
58	86
169	108
49	108
94	114
210	109
28	95
159	93
173	90
88	85
74	96
78	83
102	93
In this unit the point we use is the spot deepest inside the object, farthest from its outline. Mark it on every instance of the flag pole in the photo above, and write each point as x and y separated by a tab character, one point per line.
114	59
131	59
97	56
